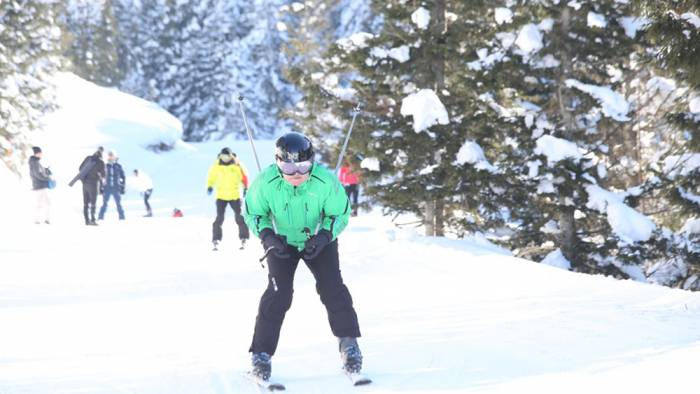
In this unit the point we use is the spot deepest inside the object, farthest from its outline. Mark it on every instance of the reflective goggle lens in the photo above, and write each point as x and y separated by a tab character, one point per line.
290	168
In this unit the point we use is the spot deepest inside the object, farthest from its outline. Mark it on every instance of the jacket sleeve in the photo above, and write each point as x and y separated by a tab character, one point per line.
101	168
211	176
245	178
336	209
122	176
257	208
37	172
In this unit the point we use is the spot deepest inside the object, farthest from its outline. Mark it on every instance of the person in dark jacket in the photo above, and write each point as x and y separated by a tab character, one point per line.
114	184
91	173
41	176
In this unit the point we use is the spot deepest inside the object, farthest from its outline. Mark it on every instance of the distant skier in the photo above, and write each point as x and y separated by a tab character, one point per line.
114	184
309	209
350	178
227	177
142	183
91	173
41	177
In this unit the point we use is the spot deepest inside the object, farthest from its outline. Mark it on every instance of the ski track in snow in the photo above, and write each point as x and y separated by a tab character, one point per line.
143	306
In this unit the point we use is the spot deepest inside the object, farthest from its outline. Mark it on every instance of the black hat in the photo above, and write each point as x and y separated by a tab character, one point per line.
294	147
226	151
36	149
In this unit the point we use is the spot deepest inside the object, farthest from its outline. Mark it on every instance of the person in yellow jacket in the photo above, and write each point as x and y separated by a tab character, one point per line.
227	177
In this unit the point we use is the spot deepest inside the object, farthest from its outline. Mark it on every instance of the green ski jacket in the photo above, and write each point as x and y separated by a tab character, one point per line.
296	212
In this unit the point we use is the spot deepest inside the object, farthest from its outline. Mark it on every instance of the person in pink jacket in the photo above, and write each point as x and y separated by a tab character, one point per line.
350	178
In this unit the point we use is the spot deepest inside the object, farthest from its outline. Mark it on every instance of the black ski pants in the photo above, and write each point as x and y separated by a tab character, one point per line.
220	213
146	196
353	193
89	200
277	299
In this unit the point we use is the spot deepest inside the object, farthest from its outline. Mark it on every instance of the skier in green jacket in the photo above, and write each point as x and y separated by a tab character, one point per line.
298	209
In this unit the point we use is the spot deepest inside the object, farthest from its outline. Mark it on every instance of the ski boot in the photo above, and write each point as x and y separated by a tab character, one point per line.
262	366
350	354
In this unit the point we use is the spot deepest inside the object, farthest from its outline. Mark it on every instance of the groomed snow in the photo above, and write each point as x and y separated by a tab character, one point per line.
426	108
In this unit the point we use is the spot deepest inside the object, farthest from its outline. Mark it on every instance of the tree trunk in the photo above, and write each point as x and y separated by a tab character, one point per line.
429	220
567	238
435	209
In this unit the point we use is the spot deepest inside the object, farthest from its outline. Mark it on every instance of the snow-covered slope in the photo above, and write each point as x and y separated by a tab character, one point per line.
144	307
92	116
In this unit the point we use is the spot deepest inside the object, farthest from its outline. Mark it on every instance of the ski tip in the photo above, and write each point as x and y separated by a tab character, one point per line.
362	382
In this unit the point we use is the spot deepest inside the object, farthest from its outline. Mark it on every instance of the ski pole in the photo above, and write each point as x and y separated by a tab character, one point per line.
356	111
250	135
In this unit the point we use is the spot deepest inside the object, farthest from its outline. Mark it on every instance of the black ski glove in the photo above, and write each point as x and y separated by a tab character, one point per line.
122	190
209	190
314	245
245	191
276	242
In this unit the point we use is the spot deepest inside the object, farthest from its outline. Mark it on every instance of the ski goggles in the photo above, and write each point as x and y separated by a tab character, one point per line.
291	168
226	158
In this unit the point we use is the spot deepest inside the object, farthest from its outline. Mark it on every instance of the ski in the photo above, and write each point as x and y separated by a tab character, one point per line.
358	379
265	385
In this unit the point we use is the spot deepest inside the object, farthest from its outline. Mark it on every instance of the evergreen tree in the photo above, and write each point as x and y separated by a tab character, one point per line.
93	39
29	56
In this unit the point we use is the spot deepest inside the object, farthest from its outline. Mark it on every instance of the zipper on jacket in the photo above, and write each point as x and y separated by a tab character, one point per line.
289	214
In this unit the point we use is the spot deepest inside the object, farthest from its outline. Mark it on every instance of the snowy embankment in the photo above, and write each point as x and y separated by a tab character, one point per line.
92	116
144	307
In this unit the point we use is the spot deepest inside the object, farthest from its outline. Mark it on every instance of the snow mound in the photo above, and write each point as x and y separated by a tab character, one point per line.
557	149
421	18
85	107
613	104
557	259
472	153
629	225
426	108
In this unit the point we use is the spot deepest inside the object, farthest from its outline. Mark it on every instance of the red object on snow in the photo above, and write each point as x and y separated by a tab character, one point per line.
177	213
348	176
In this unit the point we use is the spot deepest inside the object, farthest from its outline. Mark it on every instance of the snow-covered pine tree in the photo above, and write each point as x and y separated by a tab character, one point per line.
194	59
422	127
673	192
93	38
29	56
562	62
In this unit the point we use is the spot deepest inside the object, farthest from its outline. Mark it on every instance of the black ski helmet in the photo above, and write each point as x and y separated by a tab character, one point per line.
294	147
227	151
